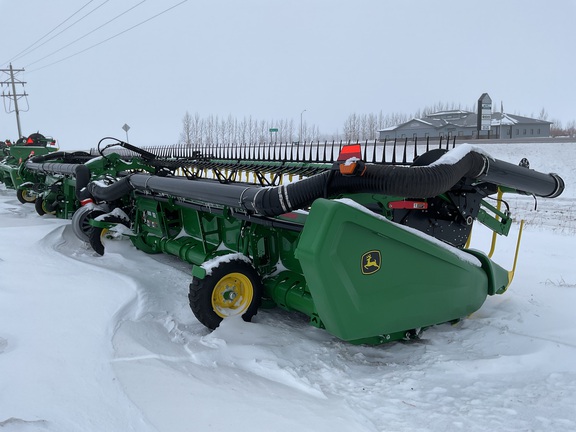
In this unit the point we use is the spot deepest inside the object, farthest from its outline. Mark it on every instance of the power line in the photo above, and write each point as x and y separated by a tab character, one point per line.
110	38
57	34
30	46
89	33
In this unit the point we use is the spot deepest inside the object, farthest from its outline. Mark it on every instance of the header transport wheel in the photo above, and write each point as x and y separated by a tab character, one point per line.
41	207
233	288
96	235
81	222
25	196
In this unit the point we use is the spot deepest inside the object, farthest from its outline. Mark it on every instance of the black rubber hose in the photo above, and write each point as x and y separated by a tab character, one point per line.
145	154
109	193
60	155
48	156
82	174
420	182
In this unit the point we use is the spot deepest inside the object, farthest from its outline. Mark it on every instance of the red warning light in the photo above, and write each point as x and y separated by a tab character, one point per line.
408	205
350	151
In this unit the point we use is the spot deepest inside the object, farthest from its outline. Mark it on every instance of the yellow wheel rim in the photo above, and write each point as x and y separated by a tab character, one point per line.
50	212
28	196
232	295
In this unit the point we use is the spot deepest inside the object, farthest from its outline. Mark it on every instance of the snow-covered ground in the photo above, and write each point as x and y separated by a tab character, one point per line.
108	343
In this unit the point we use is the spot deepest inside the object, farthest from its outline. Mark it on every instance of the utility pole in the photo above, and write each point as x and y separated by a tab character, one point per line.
11	83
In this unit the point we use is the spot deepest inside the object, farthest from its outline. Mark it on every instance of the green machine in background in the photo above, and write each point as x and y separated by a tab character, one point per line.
57	180
371	252
12	156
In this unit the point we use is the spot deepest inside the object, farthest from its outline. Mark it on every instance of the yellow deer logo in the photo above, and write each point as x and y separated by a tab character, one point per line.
371	262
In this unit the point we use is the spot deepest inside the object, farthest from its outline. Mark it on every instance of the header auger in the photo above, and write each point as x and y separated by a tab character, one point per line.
371	252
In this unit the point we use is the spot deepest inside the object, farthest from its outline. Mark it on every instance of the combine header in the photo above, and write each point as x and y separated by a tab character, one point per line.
57	180
12	155
370	251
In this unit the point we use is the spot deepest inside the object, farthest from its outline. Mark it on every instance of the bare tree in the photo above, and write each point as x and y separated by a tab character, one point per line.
187	134
231	126
571	128
196	129
352	128
556	128
290	131
543	115
262	132
372	125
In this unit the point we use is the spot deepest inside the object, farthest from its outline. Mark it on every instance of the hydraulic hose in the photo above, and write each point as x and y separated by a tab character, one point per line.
111	192
66	156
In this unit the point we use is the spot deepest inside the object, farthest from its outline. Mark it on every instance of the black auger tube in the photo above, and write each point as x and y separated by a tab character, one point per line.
79	171
524	180
207	191
53	167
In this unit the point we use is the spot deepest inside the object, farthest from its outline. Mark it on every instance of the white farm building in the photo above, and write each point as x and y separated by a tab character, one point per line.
464	124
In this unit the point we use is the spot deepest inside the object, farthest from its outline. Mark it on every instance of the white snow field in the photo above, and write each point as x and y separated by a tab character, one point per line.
109	344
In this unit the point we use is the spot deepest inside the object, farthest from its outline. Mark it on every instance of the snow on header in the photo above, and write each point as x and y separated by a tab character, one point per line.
456	154
466	257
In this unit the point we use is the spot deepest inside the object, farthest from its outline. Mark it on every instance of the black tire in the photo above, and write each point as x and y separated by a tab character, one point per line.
96	235
24	196
233	288
41	208
81	222
38	205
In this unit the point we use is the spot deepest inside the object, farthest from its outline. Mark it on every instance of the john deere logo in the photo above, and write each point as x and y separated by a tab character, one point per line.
371	262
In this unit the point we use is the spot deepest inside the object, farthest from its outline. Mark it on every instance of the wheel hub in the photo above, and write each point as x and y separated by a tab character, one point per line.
232	295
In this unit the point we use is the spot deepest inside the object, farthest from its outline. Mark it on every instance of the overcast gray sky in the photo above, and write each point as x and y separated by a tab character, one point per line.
272	59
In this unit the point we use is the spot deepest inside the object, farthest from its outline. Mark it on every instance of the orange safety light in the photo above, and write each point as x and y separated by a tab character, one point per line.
348	169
